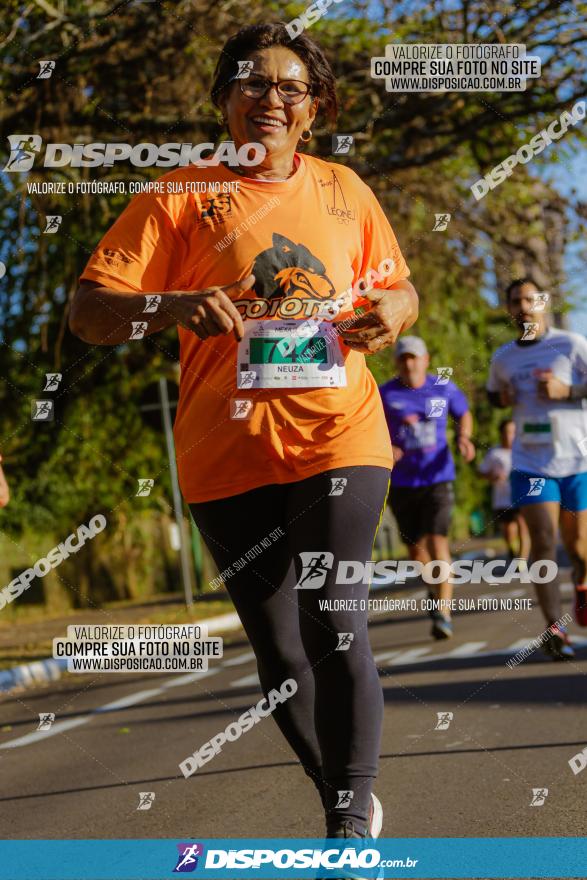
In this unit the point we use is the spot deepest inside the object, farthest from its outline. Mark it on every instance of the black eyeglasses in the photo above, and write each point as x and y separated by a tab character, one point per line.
291	91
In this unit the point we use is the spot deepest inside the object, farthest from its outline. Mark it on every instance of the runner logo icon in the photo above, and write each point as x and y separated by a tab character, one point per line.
342	144
146	799
244	69
46	719
152	302
536	485
247	378
444	719
338	485
241	409
145	486
443	377
539	795
436	405
52	381
187	860
46	68
540	301
23	148
441	222
344	799
138	329
344	641
315	567
52	224
42	411
530	330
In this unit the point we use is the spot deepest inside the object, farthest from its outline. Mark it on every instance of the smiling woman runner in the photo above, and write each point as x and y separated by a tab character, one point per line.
279	424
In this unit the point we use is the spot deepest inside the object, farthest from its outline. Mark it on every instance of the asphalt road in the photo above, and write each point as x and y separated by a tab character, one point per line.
115	735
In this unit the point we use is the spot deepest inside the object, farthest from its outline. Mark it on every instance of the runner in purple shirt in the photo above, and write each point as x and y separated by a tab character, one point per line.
417	406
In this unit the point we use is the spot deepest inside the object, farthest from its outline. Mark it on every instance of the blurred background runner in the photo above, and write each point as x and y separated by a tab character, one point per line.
417	406
542	375
496	467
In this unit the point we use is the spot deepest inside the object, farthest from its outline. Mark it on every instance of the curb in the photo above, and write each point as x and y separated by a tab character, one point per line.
31	673
40	671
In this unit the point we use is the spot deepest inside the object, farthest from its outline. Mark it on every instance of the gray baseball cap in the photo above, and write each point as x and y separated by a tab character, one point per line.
410	345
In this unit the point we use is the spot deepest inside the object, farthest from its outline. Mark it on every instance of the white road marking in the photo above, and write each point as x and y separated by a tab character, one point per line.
246	681
187	679
521	643
466	650
386	655
408	656
471	649
56	727
242	658
130	700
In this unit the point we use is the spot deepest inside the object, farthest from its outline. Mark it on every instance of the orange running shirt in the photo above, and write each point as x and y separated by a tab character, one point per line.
307	240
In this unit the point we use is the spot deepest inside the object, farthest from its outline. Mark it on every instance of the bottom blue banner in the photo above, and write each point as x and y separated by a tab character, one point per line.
227	859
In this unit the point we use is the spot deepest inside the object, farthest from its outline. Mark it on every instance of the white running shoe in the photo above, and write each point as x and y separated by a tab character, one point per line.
375	817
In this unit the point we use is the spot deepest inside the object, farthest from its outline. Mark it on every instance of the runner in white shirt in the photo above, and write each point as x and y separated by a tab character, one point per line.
543	376
496	467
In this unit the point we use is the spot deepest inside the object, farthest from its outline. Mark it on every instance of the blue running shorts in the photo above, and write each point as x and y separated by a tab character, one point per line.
569	492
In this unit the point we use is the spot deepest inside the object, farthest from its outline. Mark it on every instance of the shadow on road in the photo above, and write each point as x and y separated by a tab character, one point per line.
254	768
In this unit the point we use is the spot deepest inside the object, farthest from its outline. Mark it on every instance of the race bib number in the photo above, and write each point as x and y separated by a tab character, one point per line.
290	354
419	435
536	432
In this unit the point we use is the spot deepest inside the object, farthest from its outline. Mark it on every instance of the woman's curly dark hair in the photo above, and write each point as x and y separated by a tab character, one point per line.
262	36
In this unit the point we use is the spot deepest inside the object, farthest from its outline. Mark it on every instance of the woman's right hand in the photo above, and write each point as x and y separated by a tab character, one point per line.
210	312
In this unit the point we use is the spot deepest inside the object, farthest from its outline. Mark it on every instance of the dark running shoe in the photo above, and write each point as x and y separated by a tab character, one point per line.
441	626
558	645
581	604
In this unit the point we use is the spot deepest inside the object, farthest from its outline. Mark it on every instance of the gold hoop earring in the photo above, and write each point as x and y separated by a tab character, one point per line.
307	139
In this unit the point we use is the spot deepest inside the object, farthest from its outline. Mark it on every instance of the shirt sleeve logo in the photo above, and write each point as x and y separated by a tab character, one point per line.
213	210
336	203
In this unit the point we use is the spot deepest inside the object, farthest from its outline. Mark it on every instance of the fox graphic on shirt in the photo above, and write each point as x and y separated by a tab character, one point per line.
289	269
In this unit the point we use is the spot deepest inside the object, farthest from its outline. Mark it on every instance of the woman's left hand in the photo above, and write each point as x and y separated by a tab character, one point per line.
393	311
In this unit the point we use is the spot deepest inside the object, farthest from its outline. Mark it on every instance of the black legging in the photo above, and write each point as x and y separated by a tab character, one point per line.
333	722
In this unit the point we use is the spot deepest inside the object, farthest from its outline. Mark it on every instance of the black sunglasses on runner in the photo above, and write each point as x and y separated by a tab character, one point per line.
291	91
